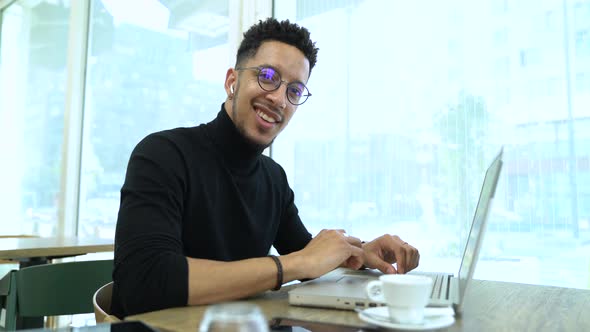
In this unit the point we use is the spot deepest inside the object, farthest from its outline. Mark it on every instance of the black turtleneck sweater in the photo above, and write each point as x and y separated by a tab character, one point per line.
202	192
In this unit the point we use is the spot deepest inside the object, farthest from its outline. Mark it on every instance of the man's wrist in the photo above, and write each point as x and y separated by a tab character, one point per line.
280	277
363	267
294	267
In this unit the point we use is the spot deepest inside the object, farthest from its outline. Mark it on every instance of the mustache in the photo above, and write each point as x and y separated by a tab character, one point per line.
253	145
279	114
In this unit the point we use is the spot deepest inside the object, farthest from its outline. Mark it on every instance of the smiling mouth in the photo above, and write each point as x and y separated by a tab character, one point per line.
266	117
267	114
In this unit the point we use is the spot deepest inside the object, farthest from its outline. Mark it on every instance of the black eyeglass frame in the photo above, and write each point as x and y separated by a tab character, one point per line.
280	82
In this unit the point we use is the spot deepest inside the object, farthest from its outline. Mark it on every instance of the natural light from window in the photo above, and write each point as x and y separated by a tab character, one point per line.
412	100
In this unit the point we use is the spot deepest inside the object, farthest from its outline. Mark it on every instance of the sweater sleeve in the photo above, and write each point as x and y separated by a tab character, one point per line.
292	234
151	270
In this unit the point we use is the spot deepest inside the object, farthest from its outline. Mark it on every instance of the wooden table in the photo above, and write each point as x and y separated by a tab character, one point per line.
39	250
127	326
489	306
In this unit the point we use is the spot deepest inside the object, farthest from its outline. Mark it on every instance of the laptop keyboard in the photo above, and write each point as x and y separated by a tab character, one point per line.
441	284
440	287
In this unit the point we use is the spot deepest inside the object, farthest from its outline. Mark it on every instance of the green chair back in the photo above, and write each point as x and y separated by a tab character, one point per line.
54	289
8	300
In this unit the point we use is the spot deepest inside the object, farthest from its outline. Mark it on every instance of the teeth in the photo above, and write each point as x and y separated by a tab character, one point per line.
265	117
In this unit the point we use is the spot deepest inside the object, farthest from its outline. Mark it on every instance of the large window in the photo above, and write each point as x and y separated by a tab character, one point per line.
33	50
149	70
411	101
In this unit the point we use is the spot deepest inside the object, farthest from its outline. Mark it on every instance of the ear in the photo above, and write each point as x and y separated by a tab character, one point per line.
230	81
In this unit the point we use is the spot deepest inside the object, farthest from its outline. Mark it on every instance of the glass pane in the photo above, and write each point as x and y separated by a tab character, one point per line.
411	101
33	45
149	70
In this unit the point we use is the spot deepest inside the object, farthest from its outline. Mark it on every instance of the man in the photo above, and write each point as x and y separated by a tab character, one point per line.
201	207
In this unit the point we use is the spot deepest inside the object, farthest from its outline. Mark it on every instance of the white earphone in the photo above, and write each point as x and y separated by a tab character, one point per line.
231	89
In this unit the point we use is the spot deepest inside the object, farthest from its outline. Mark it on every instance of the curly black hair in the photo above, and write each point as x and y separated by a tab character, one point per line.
283	31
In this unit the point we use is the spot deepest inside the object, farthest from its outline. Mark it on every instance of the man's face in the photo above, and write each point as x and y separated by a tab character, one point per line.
261	115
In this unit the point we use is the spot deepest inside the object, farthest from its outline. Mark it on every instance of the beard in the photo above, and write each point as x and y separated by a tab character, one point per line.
240	126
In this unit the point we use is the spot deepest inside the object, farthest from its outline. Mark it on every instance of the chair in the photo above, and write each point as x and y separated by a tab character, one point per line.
33	292
6	297
102	304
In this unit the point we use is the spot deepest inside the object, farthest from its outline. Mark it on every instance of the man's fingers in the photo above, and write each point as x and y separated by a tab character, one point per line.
353	262
409	258
391	249
354	241
356	251
416	258
386	268
401	260
412	257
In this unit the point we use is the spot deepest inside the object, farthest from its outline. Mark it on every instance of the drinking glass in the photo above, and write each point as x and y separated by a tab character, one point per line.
233	317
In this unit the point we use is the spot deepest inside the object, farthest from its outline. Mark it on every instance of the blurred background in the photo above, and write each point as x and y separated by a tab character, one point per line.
411	101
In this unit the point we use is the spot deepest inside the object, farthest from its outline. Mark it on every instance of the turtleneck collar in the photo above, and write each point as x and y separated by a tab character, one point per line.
239	154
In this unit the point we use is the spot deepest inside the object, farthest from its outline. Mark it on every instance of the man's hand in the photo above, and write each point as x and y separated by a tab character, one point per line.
385	250
331	249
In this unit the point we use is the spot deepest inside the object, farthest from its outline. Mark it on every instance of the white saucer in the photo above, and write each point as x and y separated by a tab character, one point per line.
429	323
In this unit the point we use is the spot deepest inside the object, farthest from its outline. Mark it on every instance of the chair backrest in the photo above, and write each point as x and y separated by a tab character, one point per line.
56	289
8	299
102	304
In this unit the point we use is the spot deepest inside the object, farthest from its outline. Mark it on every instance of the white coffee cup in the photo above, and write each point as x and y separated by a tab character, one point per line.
405	295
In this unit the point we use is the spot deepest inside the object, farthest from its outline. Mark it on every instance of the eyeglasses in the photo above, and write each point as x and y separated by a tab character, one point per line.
270	80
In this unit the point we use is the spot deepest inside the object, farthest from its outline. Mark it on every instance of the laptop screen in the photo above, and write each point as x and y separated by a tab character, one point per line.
475	237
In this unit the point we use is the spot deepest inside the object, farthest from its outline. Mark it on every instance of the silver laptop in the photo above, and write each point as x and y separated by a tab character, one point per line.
346	290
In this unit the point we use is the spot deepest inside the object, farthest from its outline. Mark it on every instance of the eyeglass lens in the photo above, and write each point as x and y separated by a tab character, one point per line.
270	80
